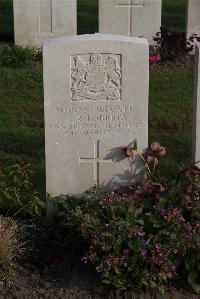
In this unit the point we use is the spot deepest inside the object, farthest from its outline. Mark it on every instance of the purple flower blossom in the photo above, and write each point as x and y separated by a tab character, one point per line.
144	243
98	269
158	248
144	252
157	260
141	234
86	259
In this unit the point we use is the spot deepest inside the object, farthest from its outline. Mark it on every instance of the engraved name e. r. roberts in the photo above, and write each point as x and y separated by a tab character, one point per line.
95	77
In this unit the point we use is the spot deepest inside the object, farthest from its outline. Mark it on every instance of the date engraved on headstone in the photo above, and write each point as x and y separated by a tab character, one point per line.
95	77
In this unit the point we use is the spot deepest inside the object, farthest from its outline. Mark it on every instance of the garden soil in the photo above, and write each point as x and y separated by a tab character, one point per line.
82	284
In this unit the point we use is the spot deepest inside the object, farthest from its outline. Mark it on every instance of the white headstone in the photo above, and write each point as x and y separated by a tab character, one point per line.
38	20
96	100
196	109
193	17
141	18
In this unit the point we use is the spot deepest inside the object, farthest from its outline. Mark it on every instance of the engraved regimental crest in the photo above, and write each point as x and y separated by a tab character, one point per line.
96	77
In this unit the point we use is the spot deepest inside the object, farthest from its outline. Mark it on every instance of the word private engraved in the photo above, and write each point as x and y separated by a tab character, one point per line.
95	77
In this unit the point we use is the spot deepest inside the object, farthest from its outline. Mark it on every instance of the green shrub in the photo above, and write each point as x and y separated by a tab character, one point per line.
145	235
59	234
173	45
16	191
16	56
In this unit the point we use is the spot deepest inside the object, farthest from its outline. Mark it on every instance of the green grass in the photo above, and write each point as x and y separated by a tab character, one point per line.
22	128
21	119
174	14
170	115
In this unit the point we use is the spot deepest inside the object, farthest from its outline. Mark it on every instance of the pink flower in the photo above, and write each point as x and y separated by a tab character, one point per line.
190	188
175	211
182	220
198	226
162	151
151	159
158	248
152	58
127	151
158	149
155	146
167	218
155	58
106	226
158	57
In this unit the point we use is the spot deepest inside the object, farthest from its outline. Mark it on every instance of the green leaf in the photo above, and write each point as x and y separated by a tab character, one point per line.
153	284
162	289
192	277
7	194
144	282
106	281
37	211
140	221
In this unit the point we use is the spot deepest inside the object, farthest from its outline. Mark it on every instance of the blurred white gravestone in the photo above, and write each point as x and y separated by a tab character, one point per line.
38	20
193	17
96	100
196	109
141	18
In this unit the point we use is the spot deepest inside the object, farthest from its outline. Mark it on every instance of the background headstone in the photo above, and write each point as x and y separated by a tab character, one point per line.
141	18
193	17
38	20
96	100
196	109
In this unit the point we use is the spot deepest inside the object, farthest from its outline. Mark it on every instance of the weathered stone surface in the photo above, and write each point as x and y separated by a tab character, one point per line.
38	20
193	17
196	109
96	100
141	18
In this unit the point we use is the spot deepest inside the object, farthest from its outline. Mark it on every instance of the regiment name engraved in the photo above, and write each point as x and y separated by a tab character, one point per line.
96	120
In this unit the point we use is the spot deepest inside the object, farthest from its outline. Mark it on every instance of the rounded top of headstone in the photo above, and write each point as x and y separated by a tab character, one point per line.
96	37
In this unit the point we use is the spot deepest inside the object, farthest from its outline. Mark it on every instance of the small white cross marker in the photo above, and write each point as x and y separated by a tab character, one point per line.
130	7
96	161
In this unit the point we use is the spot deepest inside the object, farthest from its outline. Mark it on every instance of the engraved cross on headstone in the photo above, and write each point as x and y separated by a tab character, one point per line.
40	11
96	160
130	7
